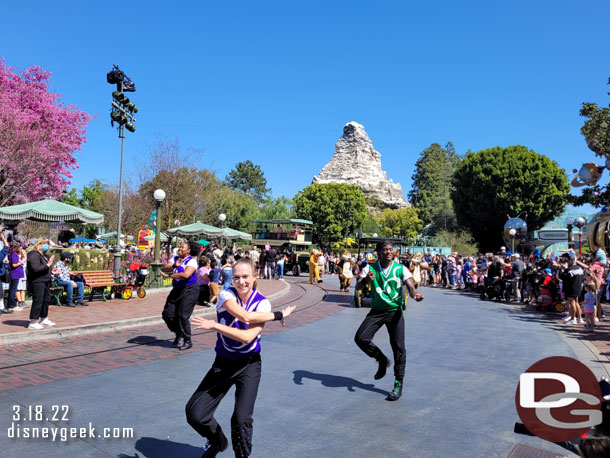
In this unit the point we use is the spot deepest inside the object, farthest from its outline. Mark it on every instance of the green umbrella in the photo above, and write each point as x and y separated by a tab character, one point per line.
229	233
203	242
52	211
162	237
197	228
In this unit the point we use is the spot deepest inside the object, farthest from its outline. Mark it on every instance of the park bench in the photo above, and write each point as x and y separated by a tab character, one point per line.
56	291
99	281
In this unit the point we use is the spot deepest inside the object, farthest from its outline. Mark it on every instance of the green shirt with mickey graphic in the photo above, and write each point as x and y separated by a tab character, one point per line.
386	288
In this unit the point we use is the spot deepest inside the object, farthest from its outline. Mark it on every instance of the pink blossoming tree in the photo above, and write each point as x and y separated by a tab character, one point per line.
38	137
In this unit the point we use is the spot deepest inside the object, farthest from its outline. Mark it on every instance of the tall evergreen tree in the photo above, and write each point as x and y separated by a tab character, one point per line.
431	189
249	179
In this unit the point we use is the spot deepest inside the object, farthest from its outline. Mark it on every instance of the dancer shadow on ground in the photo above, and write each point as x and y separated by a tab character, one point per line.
150	447
336	381
150	341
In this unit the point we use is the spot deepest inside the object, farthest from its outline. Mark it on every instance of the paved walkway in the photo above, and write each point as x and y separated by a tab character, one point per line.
317	396
597	342
40	362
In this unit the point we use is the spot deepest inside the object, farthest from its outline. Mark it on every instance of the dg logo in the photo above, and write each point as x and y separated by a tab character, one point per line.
558	399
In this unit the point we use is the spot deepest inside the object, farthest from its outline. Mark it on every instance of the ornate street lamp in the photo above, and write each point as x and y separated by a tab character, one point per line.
512	232
569	223
159	196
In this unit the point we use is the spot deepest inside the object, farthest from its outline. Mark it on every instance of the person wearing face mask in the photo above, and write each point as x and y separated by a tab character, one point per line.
39	279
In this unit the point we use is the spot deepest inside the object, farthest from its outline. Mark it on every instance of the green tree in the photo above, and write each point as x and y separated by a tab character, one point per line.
494	183
92	195
249	179
402	223
460	241
596	130
431	189
71	197
337	210
278	208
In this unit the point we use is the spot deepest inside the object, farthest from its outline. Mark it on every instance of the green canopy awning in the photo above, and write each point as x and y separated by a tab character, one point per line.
112	235
229	233
203	242
196	229
162	237
51	211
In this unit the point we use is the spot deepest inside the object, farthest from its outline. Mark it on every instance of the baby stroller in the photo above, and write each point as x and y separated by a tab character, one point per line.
549	299
135	279
494	290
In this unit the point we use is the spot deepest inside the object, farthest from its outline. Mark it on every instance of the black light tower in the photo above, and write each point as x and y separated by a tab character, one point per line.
122	112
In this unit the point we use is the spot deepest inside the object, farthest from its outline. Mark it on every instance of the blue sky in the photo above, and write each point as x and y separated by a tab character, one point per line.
275	81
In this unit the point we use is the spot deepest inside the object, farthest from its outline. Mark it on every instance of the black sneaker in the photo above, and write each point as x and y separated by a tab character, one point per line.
383	366
396	393
186	345
70	304
82	303
211	450
176	342
3	310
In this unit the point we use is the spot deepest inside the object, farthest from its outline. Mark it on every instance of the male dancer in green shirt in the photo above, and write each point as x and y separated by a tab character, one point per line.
386	278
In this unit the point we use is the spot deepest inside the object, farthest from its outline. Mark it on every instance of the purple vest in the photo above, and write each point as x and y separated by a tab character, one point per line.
234	349
192	280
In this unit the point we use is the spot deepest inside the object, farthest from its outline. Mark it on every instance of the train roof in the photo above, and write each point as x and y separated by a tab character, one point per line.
284	221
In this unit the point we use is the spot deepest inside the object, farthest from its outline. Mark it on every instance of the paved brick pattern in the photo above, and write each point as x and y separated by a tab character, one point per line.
43	362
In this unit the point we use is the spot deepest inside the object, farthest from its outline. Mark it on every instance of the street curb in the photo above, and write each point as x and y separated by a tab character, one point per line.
604	362
96	328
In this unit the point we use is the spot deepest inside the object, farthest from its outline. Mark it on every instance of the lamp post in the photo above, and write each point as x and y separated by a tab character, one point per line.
569	223
358	237
222	217
580	222
512	234
122	113
159	196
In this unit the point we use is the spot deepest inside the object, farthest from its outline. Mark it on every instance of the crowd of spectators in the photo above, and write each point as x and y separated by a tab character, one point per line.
577	283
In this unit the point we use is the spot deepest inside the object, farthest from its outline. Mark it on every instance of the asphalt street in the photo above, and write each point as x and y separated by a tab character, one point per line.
317	396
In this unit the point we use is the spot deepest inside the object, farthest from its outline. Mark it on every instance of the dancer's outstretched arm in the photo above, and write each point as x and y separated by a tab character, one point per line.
242	335
254	317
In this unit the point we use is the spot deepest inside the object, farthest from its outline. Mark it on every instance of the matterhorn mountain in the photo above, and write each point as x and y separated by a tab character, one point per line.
356	162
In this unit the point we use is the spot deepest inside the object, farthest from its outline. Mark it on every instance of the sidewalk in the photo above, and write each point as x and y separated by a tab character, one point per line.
102	316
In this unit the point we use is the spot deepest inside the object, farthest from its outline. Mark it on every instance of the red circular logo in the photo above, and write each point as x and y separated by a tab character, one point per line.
558	399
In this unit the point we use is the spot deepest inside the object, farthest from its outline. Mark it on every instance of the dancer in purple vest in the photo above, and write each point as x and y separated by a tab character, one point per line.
241	314
182	269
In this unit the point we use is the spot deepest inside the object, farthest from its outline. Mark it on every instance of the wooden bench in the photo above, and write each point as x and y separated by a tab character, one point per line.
99	281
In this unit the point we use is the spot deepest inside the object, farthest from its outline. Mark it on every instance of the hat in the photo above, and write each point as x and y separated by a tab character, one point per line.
381	245
548	271
66	255
516	256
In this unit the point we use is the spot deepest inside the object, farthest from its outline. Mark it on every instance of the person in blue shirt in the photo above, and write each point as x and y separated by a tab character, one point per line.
214	282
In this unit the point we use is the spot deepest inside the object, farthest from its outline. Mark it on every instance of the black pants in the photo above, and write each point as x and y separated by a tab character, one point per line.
204	294
245	375
395	323
179	308
41	296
